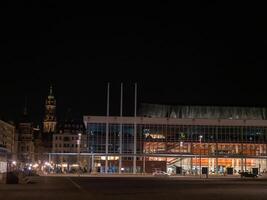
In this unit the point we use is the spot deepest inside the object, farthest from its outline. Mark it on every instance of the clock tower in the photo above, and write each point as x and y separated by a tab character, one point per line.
50	121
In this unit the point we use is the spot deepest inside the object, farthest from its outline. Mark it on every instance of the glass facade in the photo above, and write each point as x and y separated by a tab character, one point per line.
152	138
179	146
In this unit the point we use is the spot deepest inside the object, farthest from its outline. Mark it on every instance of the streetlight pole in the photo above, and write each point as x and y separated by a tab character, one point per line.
181	148
79	151
200	138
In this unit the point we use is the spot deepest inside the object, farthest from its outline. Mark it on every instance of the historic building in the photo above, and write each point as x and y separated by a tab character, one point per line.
69	139
7	137
29	140
33	142
25	138
50	120
7	144
39	145
180	139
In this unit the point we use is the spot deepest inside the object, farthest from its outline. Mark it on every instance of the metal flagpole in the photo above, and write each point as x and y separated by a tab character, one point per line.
135	107
200	167
121	107
144	164
107	132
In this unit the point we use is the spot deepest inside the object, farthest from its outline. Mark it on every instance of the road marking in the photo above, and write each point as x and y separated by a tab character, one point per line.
75	184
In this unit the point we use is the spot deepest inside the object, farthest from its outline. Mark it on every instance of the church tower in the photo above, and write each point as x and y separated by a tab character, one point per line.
50	121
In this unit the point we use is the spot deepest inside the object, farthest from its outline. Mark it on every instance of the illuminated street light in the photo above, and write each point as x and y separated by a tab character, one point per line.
35	165
200	138
181	144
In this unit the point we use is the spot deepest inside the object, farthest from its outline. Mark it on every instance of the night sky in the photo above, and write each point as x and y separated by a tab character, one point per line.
202	55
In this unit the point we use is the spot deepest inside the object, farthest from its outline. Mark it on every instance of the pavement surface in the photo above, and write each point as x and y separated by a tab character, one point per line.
79	188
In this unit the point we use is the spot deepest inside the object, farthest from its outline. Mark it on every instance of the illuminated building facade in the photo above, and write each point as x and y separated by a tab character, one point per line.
7	145
25	139
50	122
173	140
29	141
67	140
7	137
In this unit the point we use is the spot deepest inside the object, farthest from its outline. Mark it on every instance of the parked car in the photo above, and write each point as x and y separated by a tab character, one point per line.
248	174
160	173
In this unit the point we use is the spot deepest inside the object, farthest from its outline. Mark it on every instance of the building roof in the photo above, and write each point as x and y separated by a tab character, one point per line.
70	124
202	112
172	121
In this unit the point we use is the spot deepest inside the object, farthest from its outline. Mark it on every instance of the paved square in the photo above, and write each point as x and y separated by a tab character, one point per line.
68	188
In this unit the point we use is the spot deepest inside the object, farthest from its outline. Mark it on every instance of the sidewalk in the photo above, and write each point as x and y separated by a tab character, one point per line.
144	175
99	175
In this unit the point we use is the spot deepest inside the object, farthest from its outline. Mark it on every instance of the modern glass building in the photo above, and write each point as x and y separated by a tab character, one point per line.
228	140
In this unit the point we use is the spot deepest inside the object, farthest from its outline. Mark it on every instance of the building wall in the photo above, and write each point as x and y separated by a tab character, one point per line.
50	120
155	138
26	151
242	142
127	166
67	143
49	126
7	146
7	137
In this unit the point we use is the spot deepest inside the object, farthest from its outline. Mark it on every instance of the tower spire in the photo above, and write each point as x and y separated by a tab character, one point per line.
51	90
49	123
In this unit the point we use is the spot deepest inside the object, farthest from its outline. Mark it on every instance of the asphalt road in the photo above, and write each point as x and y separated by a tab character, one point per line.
78	188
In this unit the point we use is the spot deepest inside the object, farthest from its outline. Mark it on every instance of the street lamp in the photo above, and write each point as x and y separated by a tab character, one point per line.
79	151
200	138
181	148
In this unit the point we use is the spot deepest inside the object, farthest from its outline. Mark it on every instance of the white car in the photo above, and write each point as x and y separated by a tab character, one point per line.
160	173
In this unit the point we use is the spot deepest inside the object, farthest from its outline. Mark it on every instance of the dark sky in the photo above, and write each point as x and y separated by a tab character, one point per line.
204	54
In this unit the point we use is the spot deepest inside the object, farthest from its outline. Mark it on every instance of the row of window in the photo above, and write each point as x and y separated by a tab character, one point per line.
25	148
172	133
66	145
72	126
66	138
169	133
60	151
